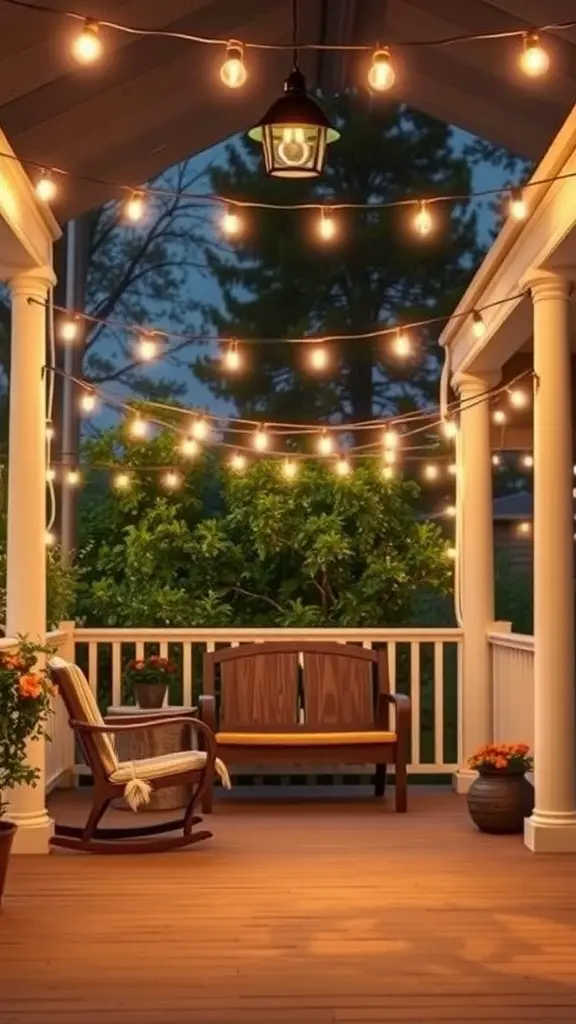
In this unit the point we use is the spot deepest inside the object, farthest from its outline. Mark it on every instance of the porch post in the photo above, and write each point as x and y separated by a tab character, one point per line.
476	567
552	827
26	548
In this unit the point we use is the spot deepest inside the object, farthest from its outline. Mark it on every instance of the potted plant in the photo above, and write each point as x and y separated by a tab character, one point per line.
148	679
25	704
501	797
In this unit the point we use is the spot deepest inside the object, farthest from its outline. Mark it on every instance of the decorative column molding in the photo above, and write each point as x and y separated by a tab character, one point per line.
552	827
26	548
475	567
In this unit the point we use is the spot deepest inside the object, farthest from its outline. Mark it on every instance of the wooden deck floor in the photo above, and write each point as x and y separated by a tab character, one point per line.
310	912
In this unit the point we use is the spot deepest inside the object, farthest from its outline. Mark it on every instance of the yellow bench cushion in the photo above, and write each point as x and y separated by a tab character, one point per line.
302	739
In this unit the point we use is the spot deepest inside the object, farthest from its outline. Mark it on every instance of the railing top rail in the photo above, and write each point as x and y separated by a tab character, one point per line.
516	641
128	635
6	642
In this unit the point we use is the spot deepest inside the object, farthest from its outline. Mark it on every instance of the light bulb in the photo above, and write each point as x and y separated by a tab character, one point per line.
171	480
72	477
49	539
50	432
517	207
200	429
381	76
452	469
527	461
518	398
88	401
293	150
451	553
388	472
431	471
525	528
342	467
499	417
87	46
496	460
478	324
189	447
261	439
450	511
389	456
325	444
231	223
146	348
135	207
238	462
534	59
138	428
390	439
401	345
121	481
327	227
69	329
233	71
449	429
46	188
423	222
290	469
50	475
232	358
318	357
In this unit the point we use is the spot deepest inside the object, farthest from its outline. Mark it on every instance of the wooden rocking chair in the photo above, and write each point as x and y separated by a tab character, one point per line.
134	780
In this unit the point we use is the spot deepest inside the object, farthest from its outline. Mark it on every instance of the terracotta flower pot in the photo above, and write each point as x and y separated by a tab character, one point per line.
7	833
150	695
499	800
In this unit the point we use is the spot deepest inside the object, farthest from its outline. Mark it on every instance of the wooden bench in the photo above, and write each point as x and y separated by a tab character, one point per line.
309	703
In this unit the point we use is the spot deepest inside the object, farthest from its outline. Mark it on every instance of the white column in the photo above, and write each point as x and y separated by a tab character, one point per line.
26	549
552	827
476	568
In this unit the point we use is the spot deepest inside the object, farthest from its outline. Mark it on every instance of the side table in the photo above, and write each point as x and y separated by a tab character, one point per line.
154	742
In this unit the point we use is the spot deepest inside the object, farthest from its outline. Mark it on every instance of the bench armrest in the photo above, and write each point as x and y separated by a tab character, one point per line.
403	709
207	710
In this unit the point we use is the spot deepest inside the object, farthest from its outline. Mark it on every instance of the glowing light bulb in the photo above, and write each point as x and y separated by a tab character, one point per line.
189	447
431	471
49	539
534	59
290	469
87	46
318	357
524	528
238	462
231	224
88	401
499	417
388	472
496	460
517	207
232	358
518	398
449	429
200	429
171	480
138	428
233	71
121	481
46	188
450	511
261	439
135	207
50	475
50	432
527	461
342	467
293	150
381	76
478	325
325	444
390	456
327	227
423	222
452	469
401	345
451	553
146	348
69	329
72	477
390	439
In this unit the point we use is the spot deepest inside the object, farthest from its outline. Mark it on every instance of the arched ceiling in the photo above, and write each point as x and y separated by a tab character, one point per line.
154	101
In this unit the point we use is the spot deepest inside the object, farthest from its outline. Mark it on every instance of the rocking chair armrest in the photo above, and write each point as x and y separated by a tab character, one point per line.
111	726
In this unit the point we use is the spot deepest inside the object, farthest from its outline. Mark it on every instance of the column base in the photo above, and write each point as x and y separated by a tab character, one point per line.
550	833
462	780
34	832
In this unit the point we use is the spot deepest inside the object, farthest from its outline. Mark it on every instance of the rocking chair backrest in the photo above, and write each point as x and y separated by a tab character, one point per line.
82	707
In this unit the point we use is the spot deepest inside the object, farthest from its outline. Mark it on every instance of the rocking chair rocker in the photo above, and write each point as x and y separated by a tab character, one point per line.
135	780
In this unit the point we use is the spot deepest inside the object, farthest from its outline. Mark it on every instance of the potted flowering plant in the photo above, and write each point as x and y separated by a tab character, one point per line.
148	679
25	704
501	797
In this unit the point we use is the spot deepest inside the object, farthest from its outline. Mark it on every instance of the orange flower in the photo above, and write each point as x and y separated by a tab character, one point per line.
30	685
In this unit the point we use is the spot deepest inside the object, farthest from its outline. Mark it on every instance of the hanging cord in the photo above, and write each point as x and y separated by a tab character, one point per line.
50	410
295	34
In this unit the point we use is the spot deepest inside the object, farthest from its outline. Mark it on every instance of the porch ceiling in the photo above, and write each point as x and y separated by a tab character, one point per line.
154	101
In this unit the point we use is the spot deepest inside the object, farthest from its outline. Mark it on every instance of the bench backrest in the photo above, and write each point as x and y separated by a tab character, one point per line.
270	686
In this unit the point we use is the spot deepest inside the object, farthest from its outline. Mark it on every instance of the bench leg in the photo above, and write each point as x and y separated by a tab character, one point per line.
400	786
380	780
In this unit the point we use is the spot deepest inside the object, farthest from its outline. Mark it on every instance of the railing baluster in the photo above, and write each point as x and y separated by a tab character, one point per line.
116	675
391	647
415	699
186	674
139	650
439	702
93	666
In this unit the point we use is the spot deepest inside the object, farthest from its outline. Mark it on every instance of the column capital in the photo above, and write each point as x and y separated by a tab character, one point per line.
472	385
34	282
550	284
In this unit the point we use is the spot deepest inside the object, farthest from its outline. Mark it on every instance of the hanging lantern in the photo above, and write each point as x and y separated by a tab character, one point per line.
294	133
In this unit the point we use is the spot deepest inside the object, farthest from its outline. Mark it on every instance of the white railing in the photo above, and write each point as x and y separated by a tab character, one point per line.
425	663
513	687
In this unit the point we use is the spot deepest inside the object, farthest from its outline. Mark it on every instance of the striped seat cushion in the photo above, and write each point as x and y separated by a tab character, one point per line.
89	712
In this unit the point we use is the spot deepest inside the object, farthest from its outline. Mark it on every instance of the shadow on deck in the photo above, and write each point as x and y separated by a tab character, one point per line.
316	909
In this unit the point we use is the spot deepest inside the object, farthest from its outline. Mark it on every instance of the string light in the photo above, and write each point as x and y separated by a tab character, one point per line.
527	461
49	539
200	429
518	398
450	511
88	402
451	553
87	47
171	480
517	205
318	357
423	221
390	439
69	328
50	432
232	358
534	59
290	469
233	71
499	417
452	469
449	429
50	475
147	347
238	462
138	428
381	75
496	460
46	188
431	471
388	473
327	227
401	345
524	528
390	456
73	477
121	481
231	223
261	439
135	207
325	444
478	324
189	447
342	466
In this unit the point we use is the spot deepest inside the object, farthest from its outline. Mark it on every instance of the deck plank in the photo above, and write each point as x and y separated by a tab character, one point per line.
315	911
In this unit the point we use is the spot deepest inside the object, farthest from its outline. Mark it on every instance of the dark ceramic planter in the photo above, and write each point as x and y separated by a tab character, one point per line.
7	833
150	695
498	801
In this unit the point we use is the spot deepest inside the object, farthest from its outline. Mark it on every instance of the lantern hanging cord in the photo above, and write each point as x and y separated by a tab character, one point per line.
295	34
